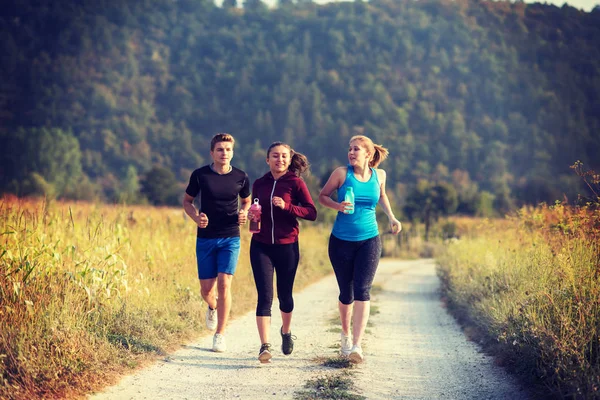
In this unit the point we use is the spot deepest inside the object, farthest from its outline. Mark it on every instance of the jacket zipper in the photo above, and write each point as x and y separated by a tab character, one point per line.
272	219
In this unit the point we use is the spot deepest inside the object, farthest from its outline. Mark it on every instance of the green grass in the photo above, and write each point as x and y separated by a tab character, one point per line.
328	386
338	362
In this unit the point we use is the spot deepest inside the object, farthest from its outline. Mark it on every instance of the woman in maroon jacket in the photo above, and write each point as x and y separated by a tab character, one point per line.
284	197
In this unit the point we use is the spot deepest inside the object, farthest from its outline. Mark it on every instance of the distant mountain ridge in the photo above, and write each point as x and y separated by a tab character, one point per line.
491	97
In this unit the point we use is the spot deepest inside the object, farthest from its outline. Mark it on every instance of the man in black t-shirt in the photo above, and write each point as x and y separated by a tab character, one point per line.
224	202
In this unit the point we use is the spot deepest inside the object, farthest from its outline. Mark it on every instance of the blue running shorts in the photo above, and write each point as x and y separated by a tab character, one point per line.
217	255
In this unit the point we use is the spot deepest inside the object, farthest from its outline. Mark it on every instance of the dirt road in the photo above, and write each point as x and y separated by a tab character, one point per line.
413	350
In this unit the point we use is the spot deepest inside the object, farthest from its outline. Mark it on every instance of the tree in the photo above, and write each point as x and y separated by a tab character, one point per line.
160	186
39	161
130	190
255	5
429	201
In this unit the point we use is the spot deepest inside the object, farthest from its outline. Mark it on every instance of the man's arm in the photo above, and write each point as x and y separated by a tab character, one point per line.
244	207
188	206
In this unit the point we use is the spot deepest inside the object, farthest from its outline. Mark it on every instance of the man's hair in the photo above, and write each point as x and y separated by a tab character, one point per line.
221	137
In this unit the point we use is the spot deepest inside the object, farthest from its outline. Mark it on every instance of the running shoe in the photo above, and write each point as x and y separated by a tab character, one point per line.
356	355
264	355
287	342
346	345
211	319
219	344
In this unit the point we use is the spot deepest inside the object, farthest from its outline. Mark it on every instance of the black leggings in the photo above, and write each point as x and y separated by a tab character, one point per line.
267	259
354	264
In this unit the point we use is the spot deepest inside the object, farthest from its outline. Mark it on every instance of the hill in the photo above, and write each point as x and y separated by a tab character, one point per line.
497	99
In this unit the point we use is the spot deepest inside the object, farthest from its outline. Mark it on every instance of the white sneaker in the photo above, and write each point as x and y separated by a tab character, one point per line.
356	355
346	347
219	344
211	319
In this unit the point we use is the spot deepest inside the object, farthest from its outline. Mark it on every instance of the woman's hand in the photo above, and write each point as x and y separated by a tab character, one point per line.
251	216
278	202
395	226
345	206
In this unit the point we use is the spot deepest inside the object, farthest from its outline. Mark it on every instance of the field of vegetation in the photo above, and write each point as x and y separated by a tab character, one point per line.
528	288
87	291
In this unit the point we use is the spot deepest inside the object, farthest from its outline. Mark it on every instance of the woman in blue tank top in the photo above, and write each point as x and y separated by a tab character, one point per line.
354	244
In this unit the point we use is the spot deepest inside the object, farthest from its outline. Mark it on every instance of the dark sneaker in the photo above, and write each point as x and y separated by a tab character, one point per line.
287	342
264	355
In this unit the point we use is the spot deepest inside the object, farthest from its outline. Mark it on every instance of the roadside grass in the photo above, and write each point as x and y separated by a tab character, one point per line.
88	291
337	362
528	288
410	243
338	385
329	386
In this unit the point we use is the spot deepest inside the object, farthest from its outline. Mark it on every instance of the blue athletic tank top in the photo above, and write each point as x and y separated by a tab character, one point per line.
361	225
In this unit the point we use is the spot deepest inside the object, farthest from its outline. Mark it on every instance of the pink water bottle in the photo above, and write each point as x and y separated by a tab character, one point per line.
254	216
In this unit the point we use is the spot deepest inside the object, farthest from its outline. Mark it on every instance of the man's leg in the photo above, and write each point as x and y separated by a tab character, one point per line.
223	302
206	256
209	292
227	258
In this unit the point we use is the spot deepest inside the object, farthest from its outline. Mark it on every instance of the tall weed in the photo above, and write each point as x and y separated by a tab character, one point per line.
89	290
531	284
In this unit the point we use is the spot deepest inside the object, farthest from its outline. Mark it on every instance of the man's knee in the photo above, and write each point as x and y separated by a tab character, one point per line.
206	287
224	283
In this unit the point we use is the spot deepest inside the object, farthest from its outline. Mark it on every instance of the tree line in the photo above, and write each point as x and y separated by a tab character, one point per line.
483	105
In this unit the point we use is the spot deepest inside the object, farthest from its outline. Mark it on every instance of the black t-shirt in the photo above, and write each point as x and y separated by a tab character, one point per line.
219	199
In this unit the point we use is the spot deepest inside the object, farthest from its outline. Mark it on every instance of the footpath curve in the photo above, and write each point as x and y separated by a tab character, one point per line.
413	350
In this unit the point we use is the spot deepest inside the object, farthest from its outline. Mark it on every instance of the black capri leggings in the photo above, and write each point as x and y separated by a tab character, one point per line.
267	259
354	264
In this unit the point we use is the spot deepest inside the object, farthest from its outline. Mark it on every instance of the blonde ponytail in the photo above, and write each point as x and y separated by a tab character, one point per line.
379	153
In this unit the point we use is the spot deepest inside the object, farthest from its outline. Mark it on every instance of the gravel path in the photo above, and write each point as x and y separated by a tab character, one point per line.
413	350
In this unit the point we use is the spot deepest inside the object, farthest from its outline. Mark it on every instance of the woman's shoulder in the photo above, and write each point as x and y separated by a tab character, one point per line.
261	180
292	179
343	170
380	173
338	175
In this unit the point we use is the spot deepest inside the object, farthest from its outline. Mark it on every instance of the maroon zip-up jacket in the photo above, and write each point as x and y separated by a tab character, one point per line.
280	226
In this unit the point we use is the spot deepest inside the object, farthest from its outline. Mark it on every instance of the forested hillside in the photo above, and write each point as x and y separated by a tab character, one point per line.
110	100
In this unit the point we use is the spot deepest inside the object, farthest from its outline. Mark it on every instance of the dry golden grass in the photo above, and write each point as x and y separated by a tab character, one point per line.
88	290
531	285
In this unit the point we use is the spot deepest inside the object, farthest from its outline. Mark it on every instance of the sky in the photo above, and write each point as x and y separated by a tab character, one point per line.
586	5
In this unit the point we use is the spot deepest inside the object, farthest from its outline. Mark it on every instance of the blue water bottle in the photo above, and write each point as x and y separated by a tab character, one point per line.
349	197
